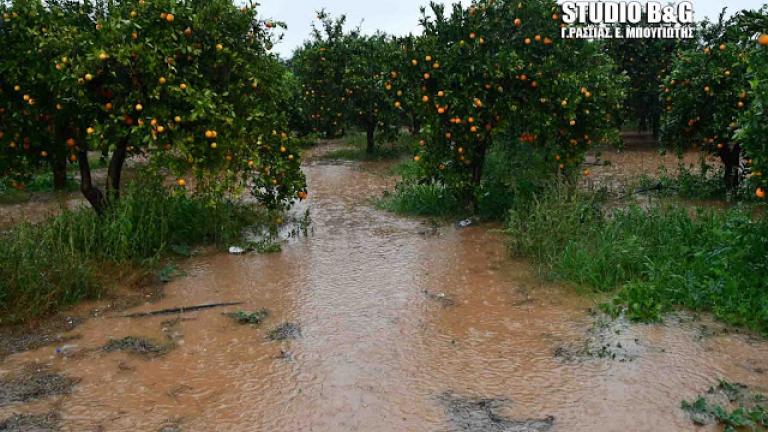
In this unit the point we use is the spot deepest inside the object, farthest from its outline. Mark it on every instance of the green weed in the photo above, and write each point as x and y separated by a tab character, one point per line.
658	258
417	199
730	405
253	318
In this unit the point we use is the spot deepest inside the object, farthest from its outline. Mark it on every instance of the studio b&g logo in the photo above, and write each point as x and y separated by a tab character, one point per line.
627	20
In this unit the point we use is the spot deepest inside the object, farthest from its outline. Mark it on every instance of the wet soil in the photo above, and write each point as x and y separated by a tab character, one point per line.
33	382
618	170
42	205
48	422
396	331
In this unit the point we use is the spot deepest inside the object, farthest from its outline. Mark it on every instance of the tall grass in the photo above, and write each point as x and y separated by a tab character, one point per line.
658	258
53	264
507	179
422	199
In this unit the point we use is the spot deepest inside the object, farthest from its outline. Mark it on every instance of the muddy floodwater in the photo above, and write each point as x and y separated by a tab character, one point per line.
381	323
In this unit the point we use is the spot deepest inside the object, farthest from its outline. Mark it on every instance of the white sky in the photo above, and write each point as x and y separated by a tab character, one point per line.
400	17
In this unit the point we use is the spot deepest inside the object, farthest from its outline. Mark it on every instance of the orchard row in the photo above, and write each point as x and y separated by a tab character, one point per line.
190	86
187	86
497	75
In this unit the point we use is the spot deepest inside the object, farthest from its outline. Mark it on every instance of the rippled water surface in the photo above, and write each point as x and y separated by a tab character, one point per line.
393	317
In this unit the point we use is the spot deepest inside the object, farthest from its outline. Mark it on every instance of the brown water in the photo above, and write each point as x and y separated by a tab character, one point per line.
381	342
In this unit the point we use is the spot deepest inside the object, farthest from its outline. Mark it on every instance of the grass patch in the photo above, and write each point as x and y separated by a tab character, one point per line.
355	148
659	258
43	182
422	199
58	262
705	183
10	195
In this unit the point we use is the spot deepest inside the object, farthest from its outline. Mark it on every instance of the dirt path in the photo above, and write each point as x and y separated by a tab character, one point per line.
395	327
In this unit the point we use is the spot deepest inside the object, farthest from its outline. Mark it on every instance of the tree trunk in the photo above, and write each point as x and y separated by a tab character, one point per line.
477	172
59	167
369	138
91	193
415	126
731	157
115	172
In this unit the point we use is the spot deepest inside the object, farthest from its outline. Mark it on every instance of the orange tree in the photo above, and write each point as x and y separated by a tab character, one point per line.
646	63
409	80
497	74
319	66
368	62
753	126
707	91
37	111
188	86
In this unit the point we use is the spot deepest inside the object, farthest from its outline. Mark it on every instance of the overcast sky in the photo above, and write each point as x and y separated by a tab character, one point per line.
400	17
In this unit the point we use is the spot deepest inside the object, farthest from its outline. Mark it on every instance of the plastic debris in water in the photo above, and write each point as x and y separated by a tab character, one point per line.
465	223
67	350
236	250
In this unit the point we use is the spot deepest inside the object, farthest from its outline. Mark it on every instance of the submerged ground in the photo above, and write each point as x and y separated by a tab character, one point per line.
376	323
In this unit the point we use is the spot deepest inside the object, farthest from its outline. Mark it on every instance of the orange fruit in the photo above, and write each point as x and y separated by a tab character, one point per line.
760	193
763	39
181	182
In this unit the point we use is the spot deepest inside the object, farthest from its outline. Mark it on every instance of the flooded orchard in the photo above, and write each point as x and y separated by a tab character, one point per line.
374	322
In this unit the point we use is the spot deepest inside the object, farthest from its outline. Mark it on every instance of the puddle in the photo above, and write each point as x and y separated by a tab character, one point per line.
400	329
